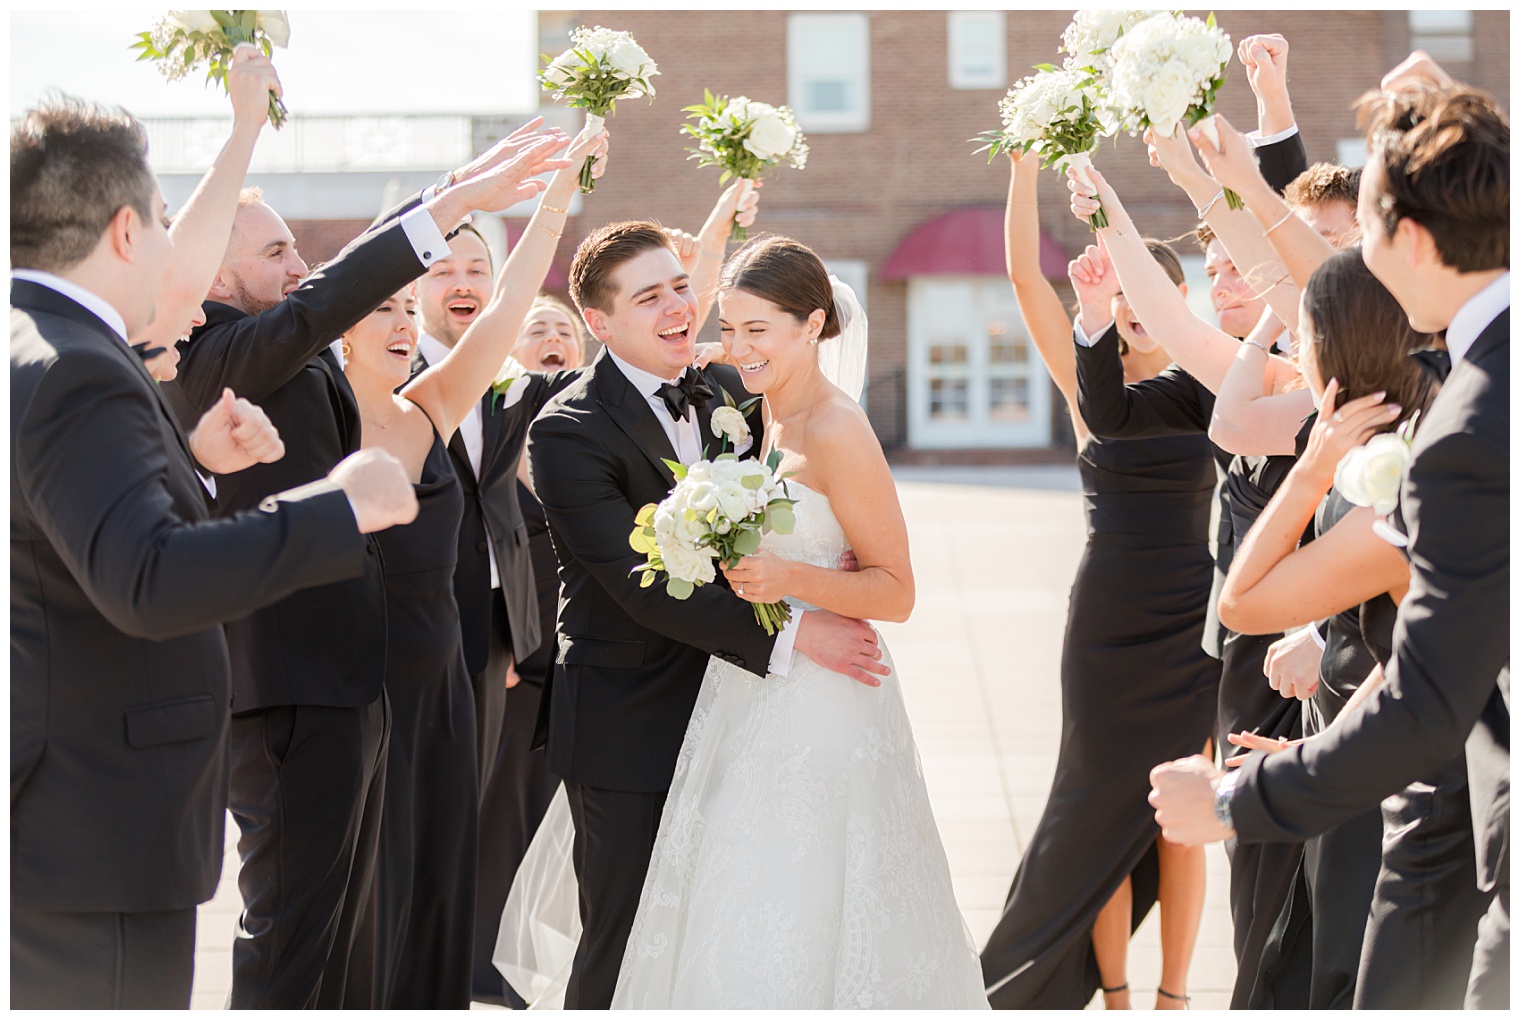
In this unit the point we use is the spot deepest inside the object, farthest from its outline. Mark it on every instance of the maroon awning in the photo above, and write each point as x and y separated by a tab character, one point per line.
964	242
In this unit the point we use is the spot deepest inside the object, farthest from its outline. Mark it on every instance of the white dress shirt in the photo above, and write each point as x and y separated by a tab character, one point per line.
1475	316
107	313
1255	139
686	440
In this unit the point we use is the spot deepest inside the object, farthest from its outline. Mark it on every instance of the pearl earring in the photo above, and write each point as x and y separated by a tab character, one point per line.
813	341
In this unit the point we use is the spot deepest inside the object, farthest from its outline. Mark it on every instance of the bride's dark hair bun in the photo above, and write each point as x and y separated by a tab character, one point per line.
786	273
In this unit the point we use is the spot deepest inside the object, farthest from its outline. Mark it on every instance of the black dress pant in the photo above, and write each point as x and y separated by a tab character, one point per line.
490	686
513	803
102	961
614	839
307	792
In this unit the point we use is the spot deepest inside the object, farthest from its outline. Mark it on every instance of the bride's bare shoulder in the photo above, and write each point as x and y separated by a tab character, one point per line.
840	437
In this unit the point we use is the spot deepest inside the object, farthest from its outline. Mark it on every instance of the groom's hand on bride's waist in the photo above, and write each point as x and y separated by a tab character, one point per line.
841	644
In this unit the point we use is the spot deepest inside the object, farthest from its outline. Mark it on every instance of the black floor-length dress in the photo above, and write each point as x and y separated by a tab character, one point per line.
1315	946
1137	689
1418	949
425	883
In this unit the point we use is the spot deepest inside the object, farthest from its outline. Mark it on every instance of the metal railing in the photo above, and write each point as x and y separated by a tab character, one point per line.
317	144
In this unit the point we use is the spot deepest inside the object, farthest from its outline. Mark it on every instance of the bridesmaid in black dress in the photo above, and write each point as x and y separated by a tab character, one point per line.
1132	662
1419	888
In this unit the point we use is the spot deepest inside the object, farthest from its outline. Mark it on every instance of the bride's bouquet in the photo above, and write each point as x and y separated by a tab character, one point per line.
1058	113
601	67
718	510
183	40
744	137
1168	69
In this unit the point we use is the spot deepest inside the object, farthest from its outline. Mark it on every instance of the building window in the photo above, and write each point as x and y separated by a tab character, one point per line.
1446	35
977	44
828	66
974	379
1351	152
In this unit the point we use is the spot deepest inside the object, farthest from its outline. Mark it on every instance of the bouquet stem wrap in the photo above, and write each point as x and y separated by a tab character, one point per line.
739	233
596	122
1211	132
1080	163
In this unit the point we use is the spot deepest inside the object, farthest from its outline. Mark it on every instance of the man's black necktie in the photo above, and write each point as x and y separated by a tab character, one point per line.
689	391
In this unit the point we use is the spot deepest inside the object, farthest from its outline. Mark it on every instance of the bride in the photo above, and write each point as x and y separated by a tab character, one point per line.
797	863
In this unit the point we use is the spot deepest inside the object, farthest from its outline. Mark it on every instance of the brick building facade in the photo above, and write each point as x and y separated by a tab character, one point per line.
888	101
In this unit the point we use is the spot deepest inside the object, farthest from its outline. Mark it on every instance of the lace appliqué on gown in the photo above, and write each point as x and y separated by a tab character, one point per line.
798	864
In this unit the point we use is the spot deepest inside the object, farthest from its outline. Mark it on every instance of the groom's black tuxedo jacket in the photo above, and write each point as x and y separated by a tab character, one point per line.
491	508
119	582
1448	682
322	646
630	659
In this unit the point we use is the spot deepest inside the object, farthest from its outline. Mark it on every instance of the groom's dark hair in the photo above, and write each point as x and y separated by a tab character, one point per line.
601	253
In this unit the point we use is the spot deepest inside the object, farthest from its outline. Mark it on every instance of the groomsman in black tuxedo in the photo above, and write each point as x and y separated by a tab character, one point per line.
310	723
119	581
631	659
1434	213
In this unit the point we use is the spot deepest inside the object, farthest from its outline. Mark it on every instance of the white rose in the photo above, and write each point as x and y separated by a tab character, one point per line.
701	471
1201	53
771	137
628	58
561	71
690	532
277	26
1167	96
686	564
703	497
664	524
192	21
726	469
511	370
728	423
1371	475
734	501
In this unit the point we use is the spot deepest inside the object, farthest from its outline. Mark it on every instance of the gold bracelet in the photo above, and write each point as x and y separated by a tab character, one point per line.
552	233
1279	223
546	207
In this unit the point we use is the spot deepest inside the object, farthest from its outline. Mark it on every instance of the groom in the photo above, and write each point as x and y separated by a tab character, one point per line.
631	659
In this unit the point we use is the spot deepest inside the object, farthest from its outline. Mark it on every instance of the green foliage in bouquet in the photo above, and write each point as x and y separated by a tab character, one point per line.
182	40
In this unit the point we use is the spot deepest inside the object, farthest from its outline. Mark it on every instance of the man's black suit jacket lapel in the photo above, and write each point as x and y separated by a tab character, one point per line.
28	295
630	411
349	427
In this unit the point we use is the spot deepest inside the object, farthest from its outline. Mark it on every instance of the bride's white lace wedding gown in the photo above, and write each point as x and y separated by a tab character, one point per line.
798	864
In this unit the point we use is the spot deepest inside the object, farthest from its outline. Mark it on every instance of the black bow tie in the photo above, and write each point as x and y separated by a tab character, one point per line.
1435	363
689	391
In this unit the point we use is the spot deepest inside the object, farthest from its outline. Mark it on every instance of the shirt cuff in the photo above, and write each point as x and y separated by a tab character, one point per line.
1319	638
427	240
1255	139
781	652
209	481
1081	335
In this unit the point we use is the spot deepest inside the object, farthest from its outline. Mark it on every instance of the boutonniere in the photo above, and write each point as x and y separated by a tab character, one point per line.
1373	474
728	422
512	372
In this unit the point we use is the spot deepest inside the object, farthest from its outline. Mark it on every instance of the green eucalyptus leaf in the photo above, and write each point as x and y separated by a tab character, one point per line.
781	518
747	543
679	589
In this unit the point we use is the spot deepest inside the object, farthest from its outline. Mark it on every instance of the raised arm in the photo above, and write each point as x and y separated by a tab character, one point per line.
845	456
1273	583
201	228
1299	247
712	243
1049	325
1256	413
451	388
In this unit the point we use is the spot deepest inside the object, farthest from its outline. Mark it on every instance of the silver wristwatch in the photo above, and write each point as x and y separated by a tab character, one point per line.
444	183
1222	794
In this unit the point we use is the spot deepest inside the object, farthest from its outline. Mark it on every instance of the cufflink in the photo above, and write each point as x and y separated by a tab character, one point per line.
1222	794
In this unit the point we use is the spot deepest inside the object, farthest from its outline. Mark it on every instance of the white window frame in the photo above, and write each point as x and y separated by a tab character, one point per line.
857	27
1447	35
971	27
926	434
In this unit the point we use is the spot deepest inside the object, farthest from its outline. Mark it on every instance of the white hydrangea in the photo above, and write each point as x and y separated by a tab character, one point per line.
1092	33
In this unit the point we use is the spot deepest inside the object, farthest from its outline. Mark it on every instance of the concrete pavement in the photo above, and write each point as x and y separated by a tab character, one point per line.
994	551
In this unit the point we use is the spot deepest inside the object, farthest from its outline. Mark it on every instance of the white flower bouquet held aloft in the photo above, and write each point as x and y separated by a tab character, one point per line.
1372	475
745	137
1059	114
718	511
600	67
182	40
1167	70
1092	34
